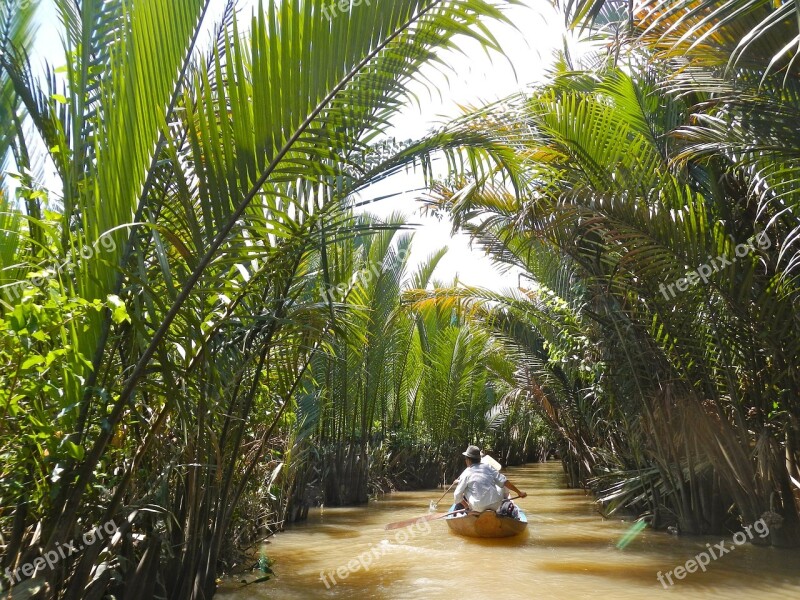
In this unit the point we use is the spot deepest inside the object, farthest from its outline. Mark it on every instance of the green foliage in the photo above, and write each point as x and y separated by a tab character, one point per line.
200	195
39	362
674	400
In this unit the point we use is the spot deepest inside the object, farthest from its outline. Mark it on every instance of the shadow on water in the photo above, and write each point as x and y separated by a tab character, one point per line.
568	551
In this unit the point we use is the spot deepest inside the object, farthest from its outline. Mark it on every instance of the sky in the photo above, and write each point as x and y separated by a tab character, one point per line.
474	79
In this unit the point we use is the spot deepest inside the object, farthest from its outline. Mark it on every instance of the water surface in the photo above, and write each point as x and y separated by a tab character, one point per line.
569	551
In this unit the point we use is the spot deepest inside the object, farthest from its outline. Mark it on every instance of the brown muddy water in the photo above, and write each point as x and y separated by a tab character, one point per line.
569	551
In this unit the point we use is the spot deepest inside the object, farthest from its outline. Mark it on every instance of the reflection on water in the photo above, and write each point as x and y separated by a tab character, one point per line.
569	551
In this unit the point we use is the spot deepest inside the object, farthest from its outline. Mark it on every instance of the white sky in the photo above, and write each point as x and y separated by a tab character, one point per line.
475	79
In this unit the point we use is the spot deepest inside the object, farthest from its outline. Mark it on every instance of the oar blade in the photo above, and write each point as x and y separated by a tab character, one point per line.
422	519
407	522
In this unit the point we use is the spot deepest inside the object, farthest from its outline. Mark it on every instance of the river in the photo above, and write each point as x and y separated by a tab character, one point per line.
569	551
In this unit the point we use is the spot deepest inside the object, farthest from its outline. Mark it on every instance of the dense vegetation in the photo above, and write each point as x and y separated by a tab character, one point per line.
656	208
201	335
170	335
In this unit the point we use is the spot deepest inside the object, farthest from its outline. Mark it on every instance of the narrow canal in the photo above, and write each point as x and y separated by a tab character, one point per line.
569	551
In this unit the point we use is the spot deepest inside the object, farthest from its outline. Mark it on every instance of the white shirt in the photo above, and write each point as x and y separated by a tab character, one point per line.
482	486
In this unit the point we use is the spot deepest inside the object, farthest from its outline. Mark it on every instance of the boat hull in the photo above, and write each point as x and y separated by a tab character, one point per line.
486	524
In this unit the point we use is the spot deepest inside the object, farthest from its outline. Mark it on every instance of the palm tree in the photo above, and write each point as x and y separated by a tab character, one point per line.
354	396
636	177
202	189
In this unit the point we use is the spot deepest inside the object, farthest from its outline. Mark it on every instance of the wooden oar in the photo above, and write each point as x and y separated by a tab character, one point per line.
433	505
407	522
422	519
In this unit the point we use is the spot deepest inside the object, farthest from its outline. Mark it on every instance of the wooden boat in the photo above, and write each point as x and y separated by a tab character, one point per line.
486	524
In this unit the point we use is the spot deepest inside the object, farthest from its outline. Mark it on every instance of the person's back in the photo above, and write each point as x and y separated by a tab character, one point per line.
481	486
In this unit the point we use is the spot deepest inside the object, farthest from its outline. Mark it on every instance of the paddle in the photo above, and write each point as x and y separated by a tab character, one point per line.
433	505
407	522
429	517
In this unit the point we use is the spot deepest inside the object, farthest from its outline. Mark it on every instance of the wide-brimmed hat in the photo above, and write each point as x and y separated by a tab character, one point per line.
472	452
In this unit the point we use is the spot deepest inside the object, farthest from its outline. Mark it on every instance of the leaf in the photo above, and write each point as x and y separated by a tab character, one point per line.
32	361
75	451
119	312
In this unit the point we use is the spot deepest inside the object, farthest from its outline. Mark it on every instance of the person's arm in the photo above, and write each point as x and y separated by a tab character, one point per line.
515	489
460	488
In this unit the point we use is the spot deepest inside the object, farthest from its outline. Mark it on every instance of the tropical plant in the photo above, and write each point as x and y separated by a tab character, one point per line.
644	171
197	192
400	390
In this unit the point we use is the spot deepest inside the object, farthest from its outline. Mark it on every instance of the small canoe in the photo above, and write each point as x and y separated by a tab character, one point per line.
486	524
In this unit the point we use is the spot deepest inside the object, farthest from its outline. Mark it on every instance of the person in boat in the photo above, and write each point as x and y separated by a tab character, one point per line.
480	487
488	460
